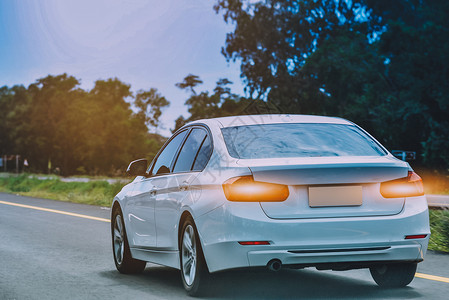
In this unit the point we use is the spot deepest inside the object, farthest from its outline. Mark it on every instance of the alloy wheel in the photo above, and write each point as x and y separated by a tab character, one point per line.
119	245
189	255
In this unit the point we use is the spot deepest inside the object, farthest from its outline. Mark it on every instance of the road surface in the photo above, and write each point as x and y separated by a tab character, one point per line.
58	250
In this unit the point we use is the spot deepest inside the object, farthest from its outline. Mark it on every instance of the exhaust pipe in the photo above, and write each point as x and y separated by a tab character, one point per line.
274	265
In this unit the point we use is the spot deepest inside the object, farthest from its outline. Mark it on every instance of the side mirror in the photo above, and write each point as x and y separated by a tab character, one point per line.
137	168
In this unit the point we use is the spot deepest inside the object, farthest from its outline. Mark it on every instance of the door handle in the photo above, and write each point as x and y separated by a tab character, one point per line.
153	192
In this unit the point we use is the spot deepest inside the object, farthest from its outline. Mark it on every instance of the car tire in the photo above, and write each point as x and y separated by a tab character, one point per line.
393	275
194	272
120	248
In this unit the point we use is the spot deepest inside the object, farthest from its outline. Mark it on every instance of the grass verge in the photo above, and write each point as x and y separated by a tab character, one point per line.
95	192
439	227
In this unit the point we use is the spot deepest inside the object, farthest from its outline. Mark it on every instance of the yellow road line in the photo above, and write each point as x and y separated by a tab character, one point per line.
56	211
432	277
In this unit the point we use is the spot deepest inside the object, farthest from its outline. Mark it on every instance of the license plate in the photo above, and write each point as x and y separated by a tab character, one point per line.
335	196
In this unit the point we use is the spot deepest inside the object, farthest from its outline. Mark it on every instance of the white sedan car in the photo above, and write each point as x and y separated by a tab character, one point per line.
279	191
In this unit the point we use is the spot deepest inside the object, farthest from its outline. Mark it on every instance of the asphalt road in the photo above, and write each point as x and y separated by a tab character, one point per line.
48	255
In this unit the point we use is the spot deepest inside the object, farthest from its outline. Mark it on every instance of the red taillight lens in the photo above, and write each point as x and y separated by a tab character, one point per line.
245	189
409	186
416	236
254	243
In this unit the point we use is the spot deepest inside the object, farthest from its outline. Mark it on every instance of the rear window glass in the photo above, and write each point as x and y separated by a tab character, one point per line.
298	140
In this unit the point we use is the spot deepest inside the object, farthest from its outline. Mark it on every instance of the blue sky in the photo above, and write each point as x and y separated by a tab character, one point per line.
144	43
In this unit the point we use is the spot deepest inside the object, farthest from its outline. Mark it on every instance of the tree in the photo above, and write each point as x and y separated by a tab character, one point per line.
378	63
189	82
52	139
53	121
347	77
273	38
14	104
222	88
150	104
205	105
416	46
222	102
115	134
200	105
179	122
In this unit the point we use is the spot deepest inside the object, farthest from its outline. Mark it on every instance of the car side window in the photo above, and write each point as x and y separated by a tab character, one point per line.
189	150
203	155
164	160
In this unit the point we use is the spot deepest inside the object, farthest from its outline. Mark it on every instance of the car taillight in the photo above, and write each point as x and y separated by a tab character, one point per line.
245	189
409	186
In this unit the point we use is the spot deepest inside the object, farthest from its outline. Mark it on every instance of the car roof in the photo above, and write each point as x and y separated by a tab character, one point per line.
270	119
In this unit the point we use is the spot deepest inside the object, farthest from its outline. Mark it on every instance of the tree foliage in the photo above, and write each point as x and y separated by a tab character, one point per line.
189	82
222	102
150	104
416	44
379	63
55	123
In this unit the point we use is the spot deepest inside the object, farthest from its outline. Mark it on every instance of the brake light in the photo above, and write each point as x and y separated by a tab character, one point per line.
245	189
409	186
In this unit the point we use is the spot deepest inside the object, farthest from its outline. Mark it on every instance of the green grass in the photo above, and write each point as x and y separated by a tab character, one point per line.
439	227
95	192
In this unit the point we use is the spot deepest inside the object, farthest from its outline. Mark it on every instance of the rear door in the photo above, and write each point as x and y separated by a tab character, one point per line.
174	189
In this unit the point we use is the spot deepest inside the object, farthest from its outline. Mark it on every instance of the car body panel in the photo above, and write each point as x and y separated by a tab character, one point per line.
139	214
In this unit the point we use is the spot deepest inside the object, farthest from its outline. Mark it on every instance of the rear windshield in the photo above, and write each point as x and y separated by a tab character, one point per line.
298	140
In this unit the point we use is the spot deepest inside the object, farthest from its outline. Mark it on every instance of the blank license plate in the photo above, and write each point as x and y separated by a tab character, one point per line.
335	196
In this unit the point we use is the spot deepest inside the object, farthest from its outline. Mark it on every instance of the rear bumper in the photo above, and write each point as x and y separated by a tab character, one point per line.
309	242
353	255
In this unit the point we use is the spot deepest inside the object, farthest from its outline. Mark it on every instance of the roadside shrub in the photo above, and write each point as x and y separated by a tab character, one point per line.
439	226
17	184
94	192
445	228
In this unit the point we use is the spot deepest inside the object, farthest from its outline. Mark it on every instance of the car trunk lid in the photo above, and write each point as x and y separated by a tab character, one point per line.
330	186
